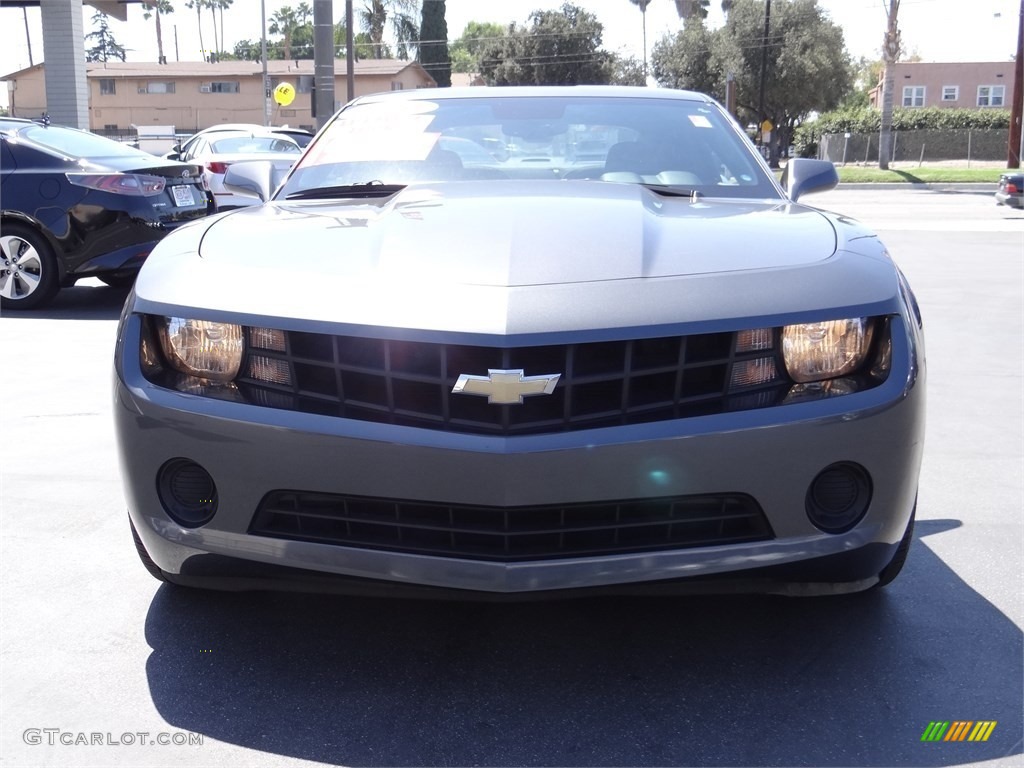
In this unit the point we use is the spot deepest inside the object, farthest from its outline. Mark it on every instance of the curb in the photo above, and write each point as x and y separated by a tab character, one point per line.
976	188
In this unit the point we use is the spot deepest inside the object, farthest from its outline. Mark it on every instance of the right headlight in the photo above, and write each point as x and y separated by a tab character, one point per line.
825	350
202	348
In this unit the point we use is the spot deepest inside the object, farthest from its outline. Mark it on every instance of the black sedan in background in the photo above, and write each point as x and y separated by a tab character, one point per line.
74	205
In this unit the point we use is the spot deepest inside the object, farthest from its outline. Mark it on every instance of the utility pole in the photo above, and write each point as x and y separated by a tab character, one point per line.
1015	144
176	56
263	56
350	50
761	117
323	60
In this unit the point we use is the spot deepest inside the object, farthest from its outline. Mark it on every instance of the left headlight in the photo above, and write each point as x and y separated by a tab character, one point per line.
825	350
202	348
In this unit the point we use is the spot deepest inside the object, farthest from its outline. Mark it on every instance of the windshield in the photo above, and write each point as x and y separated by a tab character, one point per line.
75	143
243	144
666	142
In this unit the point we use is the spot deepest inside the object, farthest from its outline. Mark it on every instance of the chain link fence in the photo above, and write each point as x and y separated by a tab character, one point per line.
916	146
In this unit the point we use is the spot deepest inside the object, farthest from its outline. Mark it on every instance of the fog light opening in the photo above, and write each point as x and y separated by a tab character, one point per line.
838	497
187	492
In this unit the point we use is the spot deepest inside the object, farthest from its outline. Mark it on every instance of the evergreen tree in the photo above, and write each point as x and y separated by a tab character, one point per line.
106	48
434	55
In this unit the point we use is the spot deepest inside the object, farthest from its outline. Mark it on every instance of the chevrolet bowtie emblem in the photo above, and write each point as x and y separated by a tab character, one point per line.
503	387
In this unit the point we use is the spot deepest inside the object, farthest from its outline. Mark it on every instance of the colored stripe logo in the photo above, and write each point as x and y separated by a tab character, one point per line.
958	730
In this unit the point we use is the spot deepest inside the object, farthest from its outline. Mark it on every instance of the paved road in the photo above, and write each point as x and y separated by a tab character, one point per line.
90	644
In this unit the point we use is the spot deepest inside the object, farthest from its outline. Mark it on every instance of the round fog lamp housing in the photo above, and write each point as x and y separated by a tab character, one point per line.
838	497
187	492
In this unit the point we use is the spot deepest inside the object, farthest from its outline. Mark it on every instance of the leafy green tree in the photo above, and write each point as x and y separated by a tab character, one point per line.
249	50
106	48
808	67
154	10
628	71
465	51
685	61
433	48
556	48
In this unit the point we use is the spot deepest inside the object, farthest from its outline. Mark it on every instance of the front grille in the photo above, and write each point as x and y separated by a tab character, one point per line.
512	533
602	383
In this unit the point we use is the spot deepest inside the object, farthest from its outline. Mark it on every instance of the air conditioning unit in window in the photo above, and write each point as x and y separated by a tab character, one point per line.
143	89
204	89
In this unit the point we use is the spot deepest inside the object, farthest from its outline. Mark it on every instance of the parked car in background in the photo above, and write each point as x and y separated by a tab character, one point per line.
216	151
300	136
1011	190
658	372
74	205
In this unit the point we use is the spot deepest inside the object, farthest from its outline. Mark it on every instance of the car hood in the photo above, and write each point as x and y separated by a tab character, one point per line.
458	256
523	234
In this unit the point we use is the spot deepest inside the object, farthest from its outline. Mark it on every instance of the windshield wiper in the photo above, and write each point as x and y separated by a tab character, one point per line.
374	188
670	190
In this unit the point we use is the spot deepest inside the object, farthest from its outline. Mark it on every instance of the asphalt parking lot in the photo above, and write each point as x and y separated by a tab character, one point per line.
92	645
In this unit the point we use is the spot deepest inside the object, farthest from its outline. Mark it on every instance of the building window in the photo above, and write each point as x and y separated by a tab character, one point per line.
396	86
304	84
157	86
107	86
110	128
991	95
224	86
950	92
913	96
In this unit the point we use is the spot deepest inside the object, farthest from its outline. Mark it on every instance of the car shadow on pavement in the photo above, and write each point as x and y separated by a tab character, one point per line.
741	680
80	302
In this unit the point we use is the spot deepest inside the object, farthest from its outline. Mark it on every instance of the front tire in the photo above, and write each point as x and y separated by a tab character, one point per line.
28	268
892	570
147	561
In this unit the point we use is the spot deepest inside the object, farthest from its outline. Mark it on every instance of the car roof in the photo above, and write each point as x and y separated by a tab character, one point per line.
579	91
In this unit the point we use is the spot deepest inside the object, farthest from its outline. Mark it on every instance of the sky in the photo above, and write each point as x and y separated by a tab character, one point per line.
935	30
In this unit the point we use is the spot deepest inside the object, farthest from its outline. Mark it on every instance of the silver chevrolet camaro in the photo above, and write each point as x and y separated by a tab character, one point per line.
518	343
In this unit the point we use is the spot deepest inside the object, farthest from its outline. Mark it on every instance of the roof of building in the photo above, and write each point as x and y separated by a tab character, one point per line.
275	68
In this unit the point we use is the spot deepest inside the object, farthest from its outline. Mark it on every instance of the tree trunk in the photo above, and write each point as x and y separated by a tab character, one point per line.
213	13
199	24
159	38
890	55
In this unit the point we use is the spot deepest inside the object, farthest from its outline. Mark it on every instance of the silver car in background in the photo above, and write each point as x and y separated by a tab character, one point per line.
218	150
602	350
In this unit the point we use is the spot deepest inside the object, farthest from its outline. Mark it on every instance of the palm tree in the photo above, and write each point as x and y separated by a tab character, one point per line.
890	55
284	22
153	10
373	18
689	8
221	5
212	5
642	4
198	5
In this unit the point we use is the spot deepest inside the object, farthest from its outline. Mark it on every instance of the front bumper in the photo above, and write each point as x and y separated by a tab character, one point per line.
771	454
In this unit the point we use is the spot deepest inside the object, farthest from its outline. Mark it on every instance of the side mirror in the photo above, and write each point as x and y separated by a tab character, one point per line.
803	176
258	177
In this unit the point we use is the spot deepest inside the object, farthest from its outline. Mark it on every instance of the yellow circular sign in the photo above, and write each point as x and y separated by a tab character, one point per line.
284	94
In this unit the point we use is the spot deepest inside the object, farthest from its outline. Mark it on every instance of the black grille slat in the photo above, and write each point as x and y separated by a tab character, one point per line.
512	533
602	384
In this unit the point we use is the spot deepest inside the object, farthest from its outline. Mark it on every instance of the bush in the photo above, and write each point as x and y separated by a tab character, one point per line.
868	120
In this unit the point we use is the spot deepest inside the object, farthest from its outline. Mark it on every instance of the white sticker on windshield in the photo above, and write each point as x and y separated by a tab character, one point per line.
700	121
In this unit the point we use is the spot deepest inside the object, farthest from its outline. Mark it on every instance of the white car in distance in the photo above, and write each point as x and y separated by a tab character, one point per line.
217	151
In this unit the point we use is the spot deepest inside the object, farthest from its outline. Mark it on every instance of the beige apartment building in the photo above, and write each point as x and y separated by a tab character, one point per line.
195	95
962	84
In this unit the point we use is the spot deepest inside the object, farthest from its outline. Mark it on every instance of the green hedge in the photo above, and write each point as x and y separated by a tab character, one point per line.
868	120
